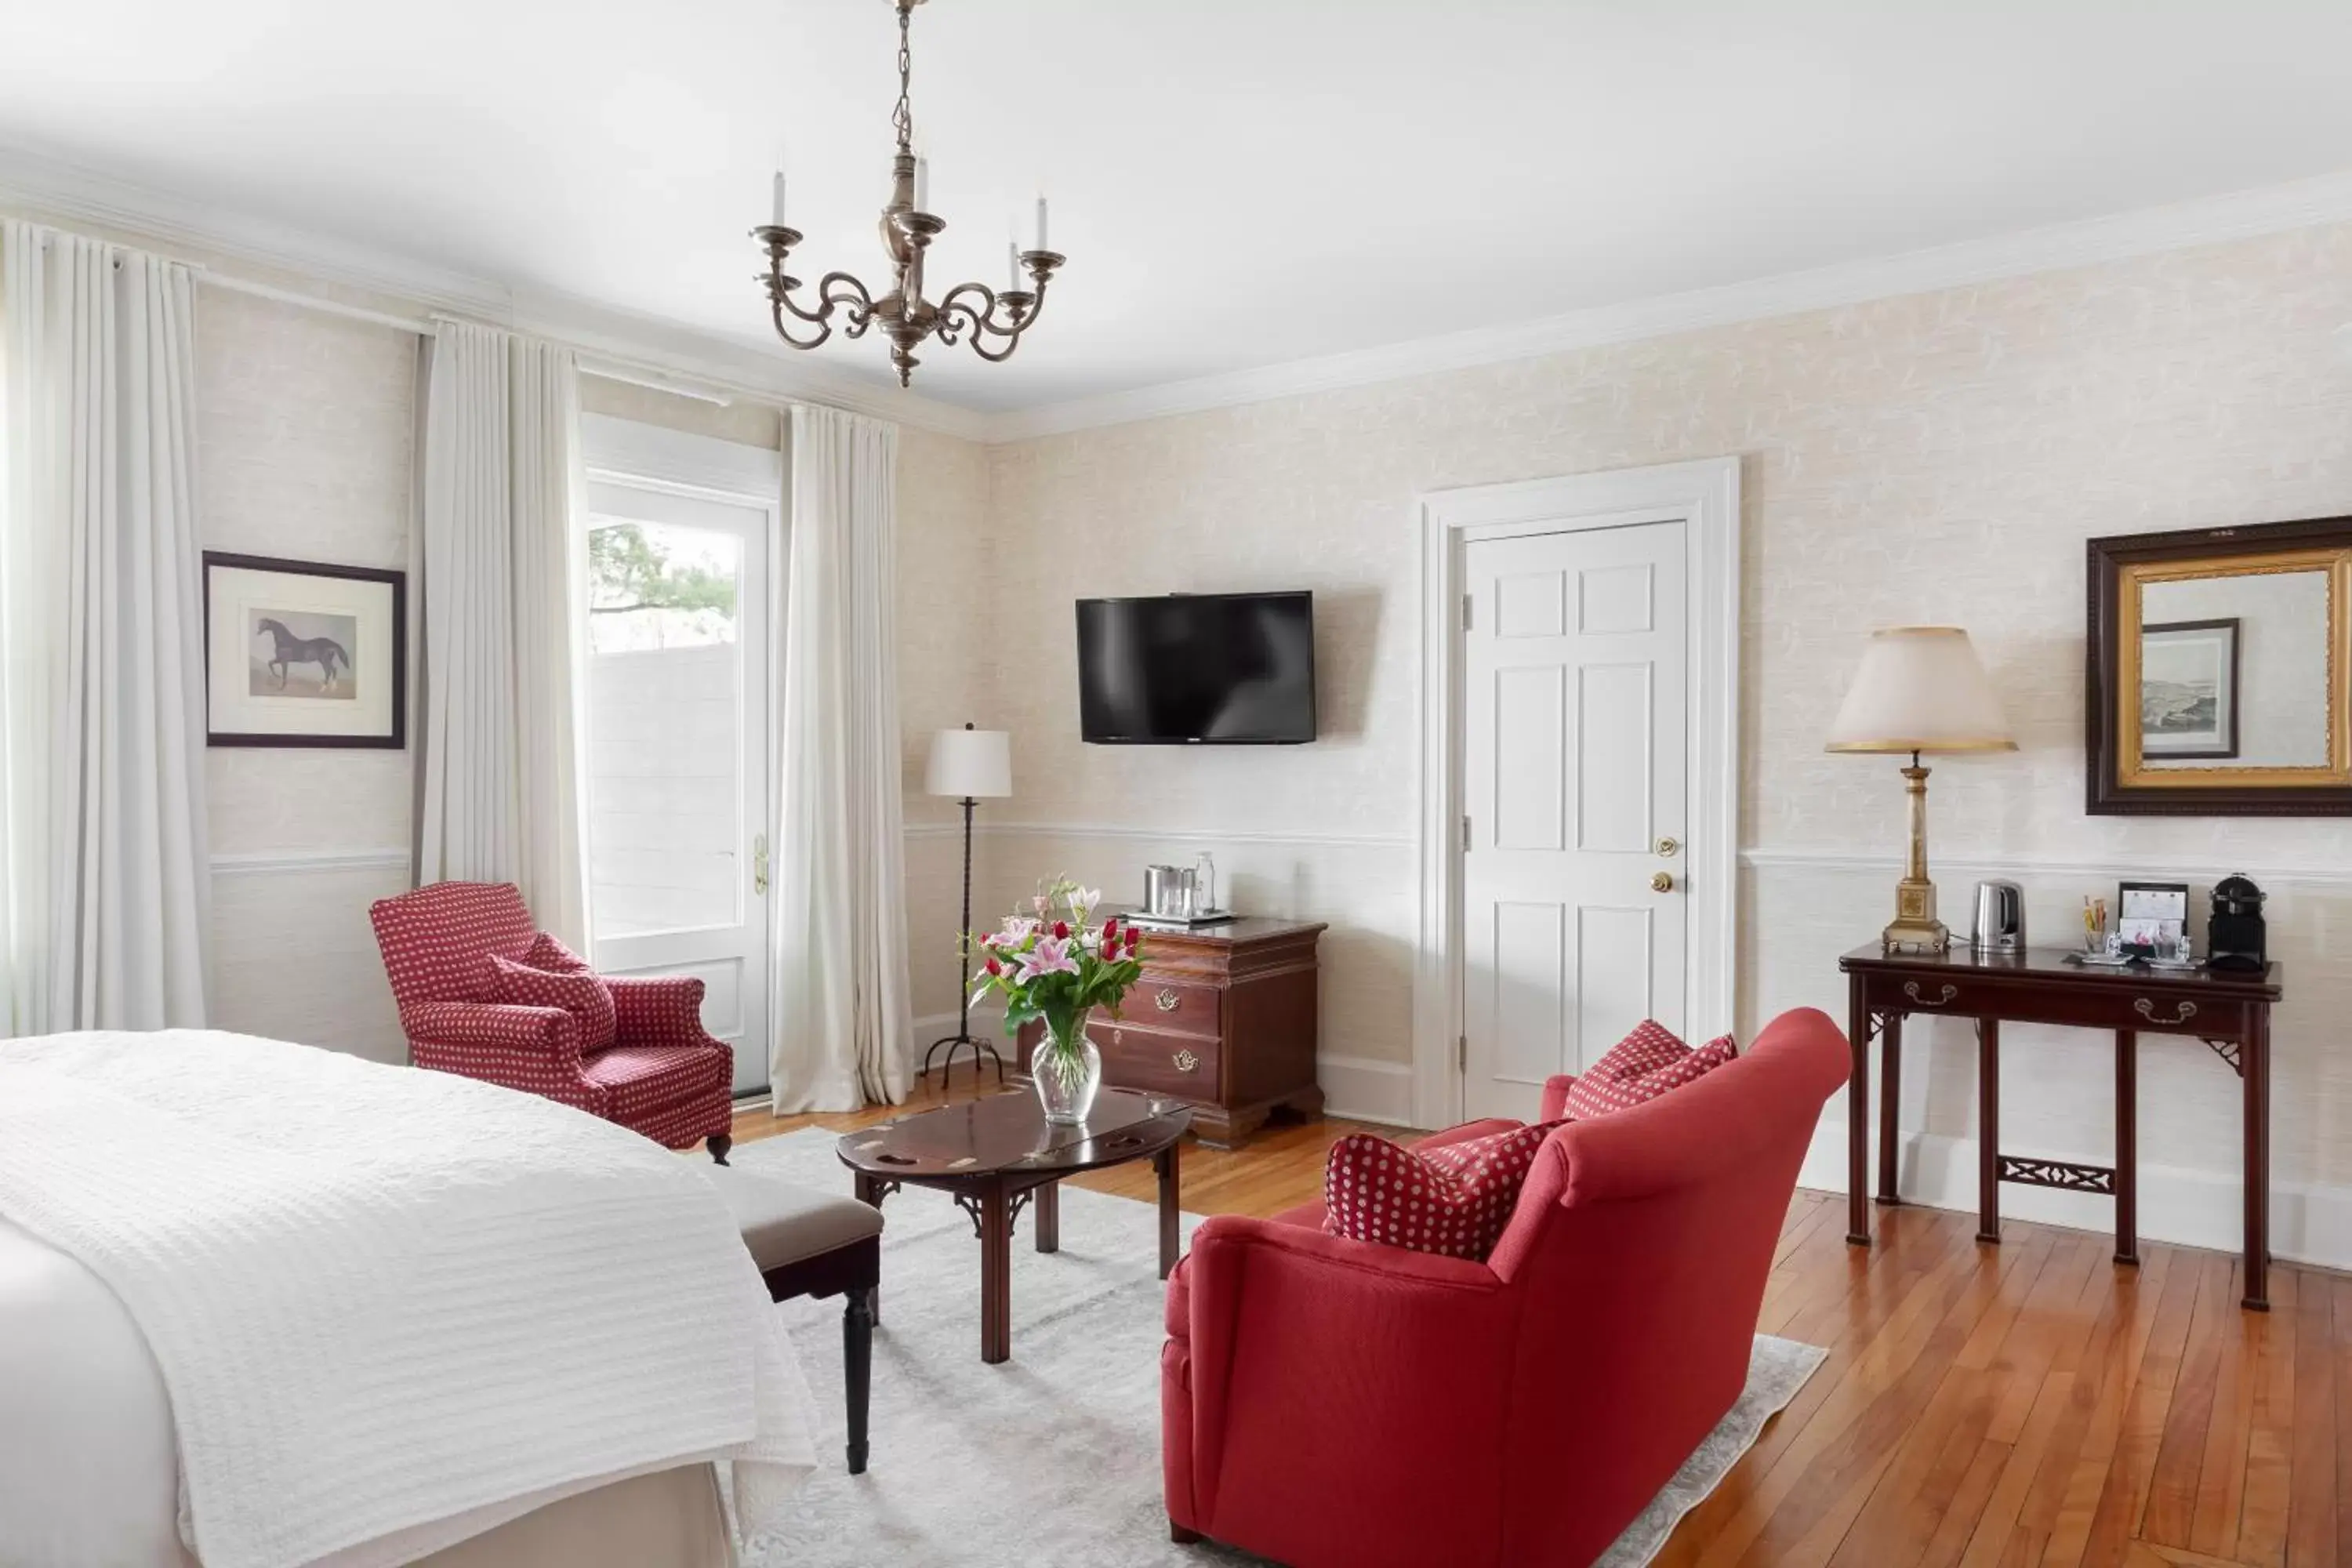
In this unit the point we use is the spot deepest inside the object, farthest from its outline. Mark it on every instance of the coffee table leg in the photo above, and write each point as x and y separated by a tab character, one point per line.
1045	1203
1164	1162
995	1275
871	1192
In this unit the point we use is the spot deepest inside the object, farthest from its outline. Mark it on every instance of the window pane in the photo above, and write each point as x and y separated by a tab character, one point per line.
665	684
655	585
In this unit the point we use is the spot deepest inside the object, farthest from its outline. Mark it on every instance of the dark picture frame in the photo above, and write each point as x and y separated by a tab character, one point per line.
2153	743
2109	786
392	736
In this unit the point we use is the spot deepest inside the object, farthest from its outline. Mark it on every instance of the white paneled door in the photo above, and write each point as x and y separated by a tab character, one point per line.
1574	756
677	736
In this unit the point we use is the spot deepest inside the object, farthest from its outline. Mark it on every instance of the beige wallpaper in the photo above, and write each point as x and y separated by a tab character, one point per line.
306	432
1939	457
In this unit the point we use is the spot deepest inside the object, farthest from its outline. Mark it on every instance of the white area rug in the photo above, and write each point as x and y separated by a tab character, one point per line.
1051	1461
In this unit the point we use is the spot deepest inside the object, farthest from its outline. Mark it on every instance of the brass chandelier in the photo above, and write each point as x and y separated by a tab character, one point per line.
992	320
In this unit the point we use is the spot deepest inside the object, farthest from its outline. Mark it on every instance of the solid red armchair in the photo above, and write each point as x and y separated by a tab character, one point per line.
1337	1403
662	1076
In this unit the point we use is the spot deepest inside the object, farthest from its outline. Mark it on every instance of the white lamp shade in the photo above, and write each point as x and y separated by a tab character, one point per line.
975	764
1920	689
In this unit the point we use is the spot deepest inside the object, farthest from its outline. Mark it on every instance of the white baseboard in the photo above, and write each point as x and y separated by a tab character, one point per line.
1361	1089
2309	1224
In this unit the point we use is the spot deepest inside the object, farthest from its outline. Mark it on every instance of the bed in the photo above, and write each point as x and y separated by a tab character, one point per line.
148	1424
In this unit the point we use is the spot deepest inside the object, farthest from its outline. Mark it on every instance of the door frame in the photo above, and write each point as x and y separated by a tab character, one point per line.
1704	496
652	458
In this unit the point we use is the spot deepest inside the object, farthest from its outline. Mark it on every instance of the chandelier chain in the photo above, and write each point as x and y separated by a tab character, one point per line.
903	117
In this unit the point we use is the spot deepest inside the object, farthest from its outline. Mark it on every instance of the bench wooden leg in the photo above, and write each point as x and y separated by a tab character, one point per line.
856	1369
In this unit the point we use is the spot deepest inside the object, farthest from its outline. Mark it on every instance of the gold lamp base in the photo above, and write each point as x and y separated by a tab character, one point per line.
1915	927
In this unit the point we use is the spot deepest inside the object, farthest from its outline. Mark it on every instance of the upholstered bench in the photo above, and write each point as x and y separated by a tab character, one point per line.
808	1243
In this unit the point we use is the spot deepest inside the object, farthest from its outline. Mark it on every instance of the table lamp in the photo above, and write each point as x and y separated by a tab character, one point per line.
971	765
1920	689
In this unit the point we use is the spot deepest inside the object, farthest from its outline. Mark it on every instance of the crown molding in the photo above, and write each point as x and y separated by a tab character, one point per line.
40	185
51	188
2240	215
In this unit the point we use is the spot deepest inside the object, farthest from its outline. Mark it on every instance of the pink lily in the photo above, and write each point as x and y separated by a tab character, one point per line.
1048	957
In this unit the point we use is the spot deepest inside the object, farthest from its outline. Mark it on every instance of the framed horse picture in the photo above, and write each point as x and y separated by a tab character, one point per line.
300	653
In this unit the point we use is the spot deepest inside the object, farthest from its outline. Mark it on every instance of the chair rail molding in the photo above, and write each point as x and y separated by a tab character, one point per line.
1704	495
280	862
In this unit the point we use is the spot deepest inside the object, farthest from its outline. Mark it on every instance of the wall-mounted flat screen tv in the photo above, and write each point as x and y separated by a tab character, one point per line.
1197	669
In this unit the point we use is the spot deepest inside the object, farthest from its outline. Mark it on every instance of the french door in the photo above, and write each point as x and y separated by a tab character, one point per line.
678	785
1574	763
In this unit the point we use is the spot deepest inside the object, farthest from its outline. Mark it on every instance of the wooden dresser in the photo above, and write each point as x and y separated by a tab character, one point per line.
1224	1018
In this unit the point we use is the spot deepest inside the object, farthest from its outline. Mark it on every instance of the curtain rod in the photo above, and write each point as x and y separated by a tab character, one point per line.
605	367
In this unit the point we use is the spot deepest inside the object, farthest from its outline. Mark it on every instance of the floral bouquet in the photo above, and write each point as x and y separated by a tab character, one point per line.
1054	966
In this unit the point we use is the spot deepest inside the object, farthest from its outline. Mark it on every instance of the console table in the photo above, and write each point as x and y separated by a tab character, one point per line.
2229	1012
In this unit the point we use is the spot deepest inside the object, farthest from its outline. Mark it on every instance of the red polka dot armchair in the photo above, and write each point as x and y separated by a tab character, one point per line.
662	1075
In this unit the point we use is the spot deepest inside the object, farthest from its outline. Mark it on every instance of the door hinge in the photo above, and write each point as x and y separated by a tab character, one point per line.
1466	601
1462	1053
1465	833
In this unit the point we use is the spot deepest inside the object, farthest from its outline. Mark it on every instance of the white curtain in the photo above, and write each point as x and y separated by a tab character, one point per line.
843	1019
105	888
504	588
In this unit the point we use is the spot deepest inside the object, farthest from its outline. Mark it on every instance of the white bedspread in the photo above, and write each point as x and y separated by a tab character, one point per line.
380	1299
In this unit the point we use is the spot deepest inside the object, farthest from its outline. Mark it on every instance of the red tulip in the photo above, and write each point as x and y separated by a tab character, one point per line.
994	967
1061	930
1134	938
1109	934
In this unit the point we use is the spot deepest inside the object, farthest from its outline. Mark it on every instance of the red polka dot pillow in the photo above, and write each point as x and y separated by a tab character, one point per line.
583	996
550	956
1646	1064
1454	1200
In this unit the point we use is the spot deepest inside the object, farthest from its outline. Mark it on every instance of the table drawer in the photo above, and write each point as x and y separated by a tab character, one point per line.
2100	1003
1178	1006
1159	1062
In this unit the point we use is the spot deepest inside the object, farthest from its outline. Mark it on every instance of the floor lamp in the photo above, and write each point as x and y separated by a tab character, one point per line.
971	766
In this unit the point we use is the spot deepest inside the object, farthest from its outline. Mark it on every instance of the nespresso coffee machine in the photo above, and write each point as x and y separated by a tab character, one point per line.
2236	937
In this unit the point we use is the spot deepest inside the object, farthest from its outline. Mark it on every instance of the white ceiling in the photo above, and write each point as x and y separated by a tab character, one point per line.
1237	182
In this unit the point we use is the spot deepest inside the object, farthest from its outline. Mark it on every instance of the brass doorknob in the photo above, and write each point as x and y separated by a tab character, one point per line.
1663	882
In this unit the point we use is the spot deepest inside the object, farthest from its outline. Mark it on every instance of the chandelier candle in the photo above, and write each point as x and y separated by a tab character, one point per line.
992	320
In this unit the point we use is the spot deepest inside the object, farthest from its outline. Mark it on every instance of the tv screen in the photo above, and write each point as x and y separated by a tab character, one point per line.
1197	669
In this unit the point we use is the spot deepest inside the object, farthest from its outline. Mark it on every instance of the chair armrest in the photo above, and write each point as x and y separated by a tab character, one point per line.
658	1010
535	1049
1294	1336
547	1032
1555	1096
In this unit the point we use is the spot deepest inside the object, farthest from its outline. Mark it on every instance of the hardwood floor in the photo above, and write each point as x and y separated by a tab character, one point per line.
1984	1406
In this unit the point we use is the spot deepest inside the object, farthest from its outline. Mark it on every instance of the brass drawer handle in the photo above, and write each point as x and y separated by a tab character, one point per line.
1186	1061
1911	989
1168	1002
2147	1009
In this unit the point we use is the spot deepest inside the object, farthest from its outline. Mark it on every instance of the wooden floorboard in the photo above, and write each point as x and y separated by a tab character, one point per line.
2033	1405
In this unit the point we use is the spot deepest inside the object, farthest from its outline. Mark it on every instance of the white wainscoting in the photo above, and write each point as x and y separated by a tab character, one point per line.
2309	1224
293	955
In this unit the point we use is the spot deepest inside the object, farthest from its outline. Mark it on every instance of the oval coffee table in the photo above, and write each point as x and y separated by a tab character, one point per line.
997	1155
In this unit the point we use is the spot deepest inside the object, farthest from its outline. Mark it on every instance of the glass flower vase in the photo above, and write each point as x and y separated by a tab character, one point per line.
1067	1073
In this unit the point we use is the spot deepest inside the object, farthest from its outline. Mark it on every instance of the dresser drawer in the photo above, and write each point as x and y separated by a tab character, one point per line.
1178	1005
1159	1062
